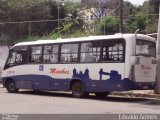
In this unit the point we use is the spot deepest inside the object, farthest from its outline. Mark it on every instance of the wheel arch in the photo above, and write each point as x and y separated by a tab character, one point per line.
8	79
72	81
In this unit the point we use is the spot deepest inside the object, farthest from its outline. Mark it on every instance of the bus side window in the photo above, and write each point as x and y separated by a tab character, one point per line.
69	53
50	54
113	51
35	55
90	52
19	58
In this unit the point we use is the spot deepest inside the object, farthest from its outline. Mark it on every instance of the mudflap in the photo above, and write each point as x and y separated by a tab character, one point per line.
127	84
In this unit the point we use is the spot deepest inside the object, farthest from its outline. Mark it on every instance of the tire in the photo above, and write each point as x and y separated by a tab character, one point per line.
35	91
102	95
78	90
10	86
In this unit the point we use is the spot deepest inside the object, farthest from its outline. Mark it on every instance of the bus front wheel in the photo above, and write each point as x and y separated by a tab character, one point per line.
78	90
10	85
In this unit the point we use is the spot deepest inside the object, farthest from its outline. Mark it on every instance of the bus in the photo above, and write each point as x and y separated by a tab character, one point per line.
94	64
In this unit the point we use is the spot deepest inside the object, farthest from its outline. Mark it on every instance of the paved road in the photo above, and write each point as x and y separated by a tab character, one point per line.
62	103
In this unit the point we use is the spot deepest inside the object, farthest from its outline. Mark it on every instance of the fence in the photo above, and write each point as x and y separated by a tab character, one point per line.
12	32
3	56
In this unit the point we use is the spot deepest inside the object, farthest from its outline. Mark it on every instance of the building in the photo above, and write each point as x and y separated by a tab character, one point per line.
93	11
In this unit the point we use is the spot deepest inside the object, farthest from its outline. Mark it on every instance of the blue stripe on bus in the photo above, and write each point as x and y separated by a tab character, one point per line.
43	82
47	83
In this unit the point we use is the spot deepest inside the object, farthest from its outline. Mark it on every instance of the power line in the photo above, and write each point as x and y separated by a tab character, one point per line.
65	19
36	21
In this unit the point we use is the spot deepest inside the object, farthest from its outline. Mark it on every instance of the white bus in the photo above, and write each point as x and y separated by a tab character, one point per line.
95	64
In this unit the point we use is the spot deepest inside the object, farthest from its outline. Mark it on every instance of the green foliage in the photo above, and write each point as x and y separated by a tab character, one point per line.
72	8
136	22
20	10
108	25
27	10
152	8
51	36
143	17
74	17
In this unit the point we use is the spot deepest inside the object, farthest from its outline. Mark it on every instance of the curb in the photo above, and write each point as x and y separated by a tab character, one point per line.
132	94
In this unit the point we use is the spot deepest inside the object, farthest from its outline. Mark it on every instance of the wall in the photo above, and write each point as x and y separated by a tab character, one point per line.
3	56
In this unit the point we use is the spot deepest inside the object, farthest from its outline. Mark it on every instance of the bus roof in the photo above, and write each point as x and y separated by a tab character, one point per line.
101	37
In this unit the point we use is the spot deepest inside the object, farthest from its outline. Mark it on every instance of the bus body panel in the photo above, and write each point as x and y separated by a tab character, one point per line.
139	69
145	69
130	48
96	77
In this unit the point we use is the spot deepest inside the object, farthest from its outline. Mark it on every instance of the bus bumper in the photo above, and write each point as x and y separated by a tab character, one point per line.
132	85
145	86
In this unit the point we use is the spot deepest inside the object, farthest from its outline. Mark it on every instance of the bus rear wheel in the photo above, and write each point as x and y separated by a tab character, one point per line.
102	94
10	85
78	90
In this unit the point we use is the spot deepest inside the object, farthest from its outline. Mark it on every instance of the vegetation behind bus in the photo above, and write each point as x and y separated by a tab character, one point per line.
143	17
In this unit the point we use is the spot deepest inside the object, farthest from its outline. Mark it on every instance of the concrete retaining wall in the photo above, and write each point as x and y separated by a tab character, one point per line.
3	56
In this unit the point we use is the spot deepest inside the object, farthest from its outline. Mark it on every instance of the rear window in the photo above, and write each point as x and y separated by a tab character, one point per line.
146	48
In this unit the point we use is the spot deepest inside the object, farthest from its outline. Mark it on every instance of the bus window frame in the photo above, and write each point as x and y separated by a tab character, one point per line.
79	52
101	50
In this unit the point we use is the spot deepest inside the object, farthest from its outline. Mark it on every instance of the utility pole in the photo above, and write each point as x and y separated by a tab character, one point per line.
121	16
158	56
58	10
58	18
104	29
29	30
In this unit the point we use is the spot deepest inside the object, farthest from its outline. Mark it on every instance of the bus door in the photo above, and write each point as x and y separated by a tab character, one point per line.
16	58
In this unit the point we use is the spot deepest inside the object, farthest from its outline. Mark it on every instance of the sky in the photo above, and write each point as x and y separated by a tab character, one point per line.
136	2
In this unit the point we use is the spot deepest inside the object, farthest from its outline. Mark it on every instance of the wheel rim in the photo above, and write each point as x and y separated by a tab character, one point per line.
78	90
11	87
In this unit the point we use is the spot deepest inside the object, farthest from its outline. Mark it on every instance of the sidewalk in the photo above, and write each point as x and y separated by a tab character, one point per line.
137	93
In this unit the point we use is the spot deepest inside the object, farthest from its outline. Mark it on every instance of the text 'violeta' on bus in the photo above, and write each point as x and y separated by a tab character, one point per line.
95	64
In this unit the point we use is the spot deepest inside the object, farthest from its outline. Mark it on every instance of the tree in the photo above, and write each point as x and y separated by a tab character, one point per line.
96	7
29	10
151	9
143	17
109	25
154	6
74	18
136	22
24	10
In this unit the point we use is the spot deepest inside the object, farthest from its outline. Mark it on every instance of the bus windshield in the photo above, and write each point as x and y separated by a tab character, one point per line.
16	58
145	48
